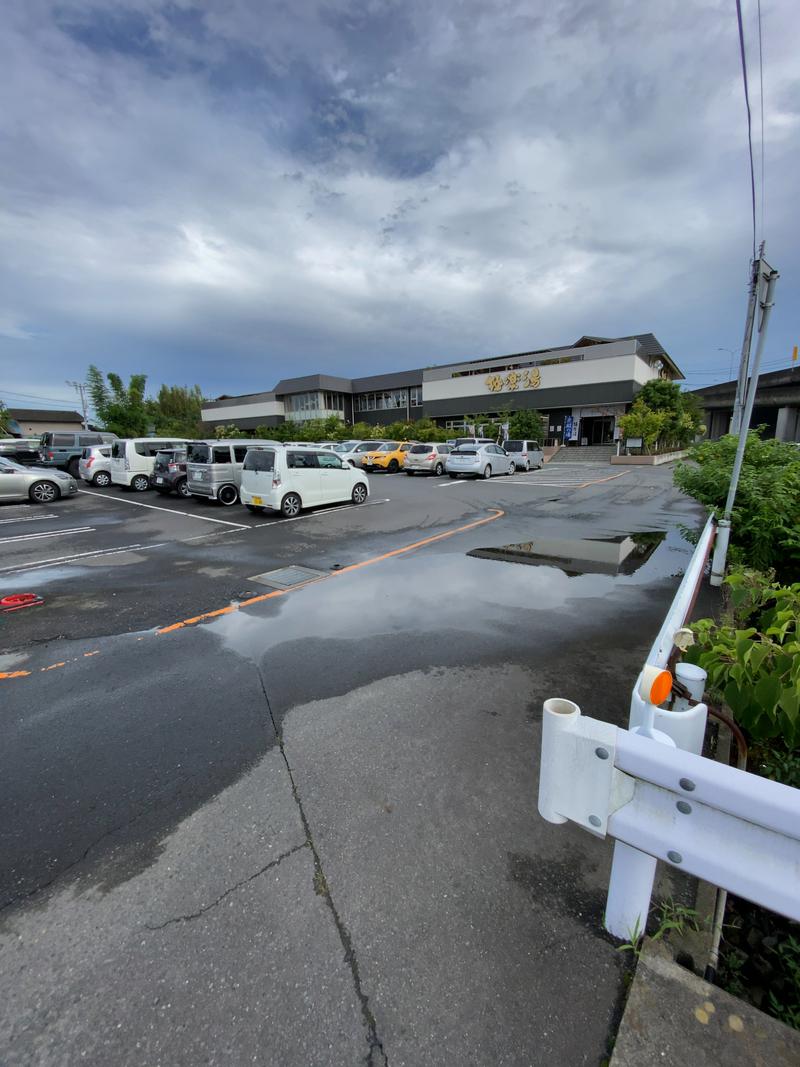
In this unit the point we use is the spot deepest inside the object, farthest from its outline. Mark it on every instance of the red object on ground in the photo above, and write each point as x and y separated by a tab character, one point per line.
19	600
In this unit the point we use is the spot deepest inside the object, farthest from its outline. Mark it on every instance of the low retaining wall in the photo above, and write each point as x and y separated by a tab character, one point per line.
650	461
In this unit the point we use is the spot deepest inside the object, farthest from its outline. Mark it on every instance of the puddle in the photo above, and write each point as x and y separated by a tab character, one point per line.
622	554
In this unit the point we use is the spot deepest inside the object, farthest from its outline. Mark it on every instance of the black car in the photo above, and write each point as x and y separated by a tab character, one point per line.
169	472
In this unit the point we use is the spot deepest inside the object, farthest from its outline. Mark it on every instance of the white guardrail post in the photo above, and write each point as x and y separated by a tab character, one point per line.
595	787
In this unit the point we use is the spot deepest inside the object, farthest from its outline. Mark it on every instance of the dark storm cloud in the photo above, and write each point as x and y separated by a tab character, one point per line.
216	192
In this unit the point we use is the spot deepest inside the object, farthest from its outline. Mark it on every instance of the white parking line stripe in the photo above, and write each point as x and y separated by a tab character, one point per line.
27	518
19	538
56	561
169	511
316	514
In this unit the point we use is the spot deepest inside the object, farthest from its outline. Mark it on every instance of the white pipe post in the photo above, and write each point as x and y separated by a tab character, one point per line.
629	892
721	547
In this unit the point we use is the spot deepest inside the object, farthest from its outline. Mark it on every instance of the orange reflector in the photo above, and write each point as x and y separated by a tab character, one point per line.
660	687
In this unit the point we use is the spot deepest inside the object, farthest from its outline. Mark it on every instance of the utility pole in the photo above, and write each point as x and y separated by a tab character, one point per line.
724	526
81	390
744	362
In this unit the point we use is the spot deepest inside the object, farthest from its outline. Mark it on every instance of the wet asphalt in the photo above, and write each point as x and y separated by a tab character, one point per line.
305	830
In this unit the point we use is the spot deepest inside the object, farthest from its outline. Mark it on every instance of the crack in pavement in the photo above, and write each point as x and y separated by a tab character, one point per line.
376	1055
231	889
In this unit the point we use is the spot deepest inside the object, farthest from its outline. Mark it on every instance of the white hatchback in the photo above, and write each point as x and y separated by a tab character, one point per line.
288	479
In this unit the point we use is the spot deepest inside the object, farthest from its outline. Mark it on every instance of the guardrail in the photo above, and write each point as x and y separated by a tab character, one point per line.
650	789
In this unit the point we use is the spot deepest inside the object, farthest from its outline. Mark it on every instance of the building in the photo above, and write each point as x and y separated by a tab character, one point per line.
582	389
32	422
777	405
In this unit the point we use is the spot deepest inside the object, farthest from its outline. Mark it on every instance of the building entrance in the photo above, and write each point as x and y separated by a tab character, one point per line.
597	430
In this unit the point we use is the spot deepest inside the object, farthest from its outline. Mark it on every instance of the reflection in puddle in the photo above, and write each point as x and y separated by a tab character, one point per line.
623	554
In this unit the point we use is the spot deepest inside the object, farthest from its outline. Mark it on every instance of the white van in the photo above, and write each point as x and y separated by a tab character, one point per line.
287	479
132	460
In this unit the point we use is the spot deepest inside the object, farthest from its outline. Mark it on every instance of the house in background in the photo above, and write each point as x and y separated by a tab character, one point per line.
32	422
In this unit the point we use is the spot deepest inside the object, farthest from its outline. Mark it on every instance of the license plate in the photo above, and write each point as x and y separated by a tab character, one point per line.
159	481
257	500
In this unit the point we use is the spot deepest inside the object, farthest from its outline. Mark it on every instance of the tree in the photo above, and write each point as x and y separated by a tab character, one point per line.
641	421
223	432
177	410
527	425
3	420
122	410
683	416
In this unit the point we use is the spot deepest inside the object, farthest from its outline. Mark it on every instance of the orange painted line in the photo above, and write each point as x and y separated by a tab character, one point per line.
230	608
14	674
95	653
53	666
598	481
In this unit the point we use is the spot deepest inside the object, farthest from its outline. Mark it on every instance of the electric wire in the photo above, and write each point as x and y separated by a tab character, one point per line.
749	119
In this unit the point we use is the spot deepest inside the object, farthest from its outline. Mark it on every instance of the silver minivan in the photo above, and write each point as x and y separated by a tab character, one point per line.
527	455
214	468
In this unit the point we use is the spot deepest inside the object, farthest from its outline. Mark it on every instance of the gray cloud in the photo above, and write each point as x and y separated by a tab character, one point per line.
221	193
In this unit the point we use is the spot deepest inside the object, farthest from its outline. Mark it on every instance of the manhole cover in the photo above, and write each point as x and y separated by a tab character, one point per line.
286	577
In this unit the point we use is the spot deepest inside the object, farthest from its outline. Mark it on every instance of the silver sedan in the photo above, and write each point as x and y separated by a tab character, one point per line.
479	461
40	485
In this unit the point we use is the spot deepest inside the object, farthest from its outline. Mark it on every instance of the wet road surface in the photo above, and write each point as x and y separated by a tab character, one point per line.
302	829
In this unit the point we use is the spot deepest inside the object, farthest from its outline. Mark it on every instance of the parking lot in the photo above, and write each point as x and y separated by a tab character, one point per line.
291	817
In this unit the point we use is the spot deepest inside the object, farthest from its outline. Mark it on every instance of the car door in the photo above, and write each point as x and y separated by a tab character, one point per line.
13	482
304	476
336	482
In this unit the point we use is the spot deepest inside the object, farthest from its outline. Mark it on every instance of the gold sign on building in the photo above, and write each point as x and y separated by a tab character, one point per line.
527	379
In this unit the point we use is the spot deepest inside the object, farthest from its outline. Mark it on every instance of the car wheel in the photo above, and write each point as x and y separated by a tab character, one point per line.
102	479
394	466
527	466
453	476
228	495
438	470
487	471
359	494
182	489
512	467
44	492
140	483
291	505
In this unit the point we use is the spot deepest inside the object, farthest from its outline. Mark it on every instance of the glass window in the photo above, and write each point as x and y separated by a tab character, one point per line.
63	440
259	459
89	439
329	459
197	452
301	460
239	452
221	454
118	450
139	448
415	396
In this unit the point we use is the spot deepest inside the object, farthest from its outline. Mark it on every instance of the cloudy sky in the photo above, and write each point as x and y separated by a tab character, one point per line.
225	192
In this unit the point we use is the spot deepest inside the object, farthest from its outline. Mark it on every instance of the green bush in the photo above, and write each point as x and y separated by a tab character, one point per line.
753	656
765	524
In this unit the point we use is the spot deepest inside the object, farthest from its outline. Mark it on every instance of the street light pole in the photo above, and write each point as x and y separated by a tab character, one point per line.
732	354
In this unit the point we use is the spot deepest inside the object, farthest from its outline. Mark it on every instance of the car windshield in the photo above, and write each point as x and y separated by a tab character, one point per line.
9	464
420	450
390	446
259	459
464	452
513	446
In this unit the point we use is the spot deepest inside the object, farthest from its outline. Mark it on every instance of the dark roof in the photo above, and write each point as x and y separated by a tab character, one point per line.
44	415
648	342
789	376
226	399
398	379
311	382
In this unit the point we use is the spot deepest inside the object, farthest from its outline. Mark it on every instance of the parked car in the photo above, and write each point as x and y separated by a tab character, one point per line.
287	479
526	454
427	459
40	485
358	450
169	472
390	456
62	449
133	458
214	468
474	441
24	450
479	461
94	466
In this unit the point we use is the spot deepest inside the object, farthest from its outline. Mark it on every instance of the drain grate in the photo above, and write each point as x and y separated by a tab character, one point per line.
287	577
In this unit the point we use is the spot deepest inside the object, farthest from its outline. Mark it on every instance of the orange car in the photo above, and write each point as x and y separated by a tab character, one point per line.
389	457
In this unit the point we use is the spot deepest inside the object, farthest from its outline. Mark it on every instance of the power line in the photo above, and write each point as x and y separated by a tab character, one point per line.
749	119
761	89
33	396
